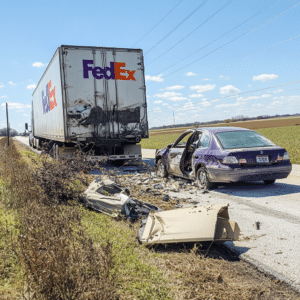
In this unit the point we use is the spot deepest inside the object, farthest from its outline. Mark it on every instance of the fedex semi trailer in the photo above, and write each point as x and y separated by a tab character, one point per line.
92	96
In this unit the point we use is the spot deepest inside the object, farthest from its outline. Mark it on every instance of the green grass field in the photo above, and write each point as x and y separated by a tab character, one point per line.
287	137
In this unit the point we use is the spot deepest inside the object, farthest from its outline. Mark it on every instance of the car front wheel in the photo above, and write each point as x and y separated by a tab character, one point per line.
269	181
203	180
161	169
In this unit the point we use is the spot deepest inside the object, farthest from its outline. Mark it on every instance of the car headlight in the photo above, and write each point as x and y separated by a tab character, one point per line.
230	160
286	156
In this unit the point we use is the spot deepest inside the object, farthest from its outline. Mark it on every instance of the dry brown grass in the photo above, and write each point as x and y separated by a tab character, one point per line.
59	259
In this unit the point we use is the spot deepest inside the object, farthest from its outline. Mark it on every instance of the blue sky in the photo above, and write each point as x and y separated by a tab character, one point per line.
205	60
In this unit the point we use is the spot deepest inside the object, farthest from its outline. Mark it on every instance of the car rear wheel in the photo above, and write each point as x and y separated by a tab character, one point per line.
203	180
161	169
269	181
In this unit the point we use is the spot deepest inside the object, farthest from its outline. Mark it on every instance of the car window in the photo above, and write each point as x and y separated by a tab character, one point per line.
242	139
204	140
181	141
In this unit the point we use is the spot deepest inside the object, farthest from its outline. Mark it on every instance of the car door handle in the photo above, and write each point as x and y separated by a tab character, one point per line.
196	157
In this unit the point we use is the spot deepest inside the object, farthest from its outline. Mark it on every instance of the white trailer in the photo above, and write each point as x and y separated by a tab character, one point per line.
94	96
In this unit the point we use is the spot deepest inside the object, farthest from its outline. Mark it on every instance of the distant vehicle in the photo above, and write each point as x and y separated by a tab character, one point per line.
92	96
212	155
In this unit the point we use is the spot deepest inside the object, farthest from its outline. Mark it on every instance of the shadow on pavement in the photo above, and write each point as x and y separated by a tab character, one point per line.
258	189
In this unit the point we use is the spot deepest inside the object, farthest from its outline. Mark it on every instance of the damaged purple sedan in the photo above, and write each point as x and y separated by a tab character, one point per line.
212	155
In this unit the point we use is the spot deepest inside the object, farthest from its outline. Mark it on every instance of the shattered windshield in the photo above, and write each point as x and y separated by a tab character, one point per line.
242	139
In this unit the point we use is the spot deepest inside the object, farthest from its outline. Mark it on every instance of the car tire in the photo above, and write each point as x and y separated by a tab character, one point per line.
161	169
269	181
203	180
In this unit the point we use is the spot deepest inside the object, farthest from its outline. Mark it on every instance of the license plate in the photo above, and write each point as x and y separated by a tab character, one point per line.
262	159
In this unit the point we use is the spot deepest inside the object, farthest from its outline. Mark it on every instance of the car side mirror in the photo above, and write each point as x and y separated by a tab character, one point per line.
26	126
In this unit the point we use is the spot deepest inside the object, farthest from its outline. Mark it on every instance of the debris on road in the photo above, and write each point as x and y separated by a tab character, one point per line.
109	198
196	224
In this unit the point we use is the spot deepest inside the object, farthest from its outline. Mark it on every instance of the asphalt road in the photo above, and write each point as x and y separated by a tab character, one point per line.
275	246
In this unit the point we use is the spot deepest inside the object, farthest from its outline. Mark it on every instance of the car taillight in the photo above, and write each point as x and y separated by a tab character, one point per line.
230	160
286	156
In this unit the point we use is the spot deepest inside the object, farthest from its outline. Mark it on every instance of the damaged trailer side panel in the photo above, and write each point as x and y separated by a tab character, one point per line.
196	224
105	93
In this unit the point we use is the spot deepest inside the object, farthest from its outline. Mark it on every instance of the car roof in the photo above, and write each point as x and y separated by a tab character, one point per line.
221	129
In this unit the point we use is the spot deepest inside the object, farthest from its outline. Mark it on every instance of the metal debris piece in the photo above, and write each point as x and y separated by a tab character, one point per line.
196	224
107	197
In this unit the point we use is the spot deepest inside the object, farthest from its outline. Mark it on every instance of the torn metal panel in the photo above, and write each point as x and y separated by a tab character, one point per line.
196	224
107	197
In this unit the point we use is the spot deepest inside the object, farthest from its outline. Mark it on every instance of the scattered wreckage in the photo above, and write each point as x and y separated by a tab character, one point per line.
193	224
107	197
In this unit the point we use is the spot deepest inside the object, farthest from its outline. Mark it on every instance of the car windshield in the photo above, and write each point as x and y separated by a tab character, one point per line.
242	139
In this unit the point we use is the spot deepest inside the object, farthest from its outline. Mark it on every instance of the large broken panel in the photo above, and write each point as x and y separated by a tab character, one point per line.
196	224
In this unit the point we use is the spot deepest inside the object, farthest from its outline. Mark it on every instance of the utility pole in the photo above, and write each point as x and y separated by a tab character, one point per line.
7	125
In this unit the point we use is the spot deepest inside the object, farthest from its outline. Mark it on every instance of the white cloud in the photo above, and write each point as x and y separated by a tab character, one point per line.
38	64
258	105
196	96
25	115
175	87
205	103
177	98
1	85
157	109
158	102
242	99
31	86
278	91
265	77
188	106
222	77
266	96
165	104
226	105
205	79
167	95
16	105
203	88
190	74
12	83
156	78
4	96
275	103
228	89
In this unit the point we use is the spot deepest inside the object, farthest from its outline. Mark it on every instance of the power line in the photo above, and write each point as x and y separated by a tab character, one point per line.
158	23
191	32
267	48
193	62
177	26
238	94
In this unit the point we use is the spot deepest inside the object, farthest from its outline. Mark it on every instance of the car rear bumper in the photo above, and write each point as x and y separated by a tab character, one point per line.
249	174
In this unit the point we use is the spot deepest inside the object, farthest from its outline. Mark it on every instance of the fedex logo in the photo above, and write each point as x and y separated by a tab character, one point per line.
48	99
116	70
